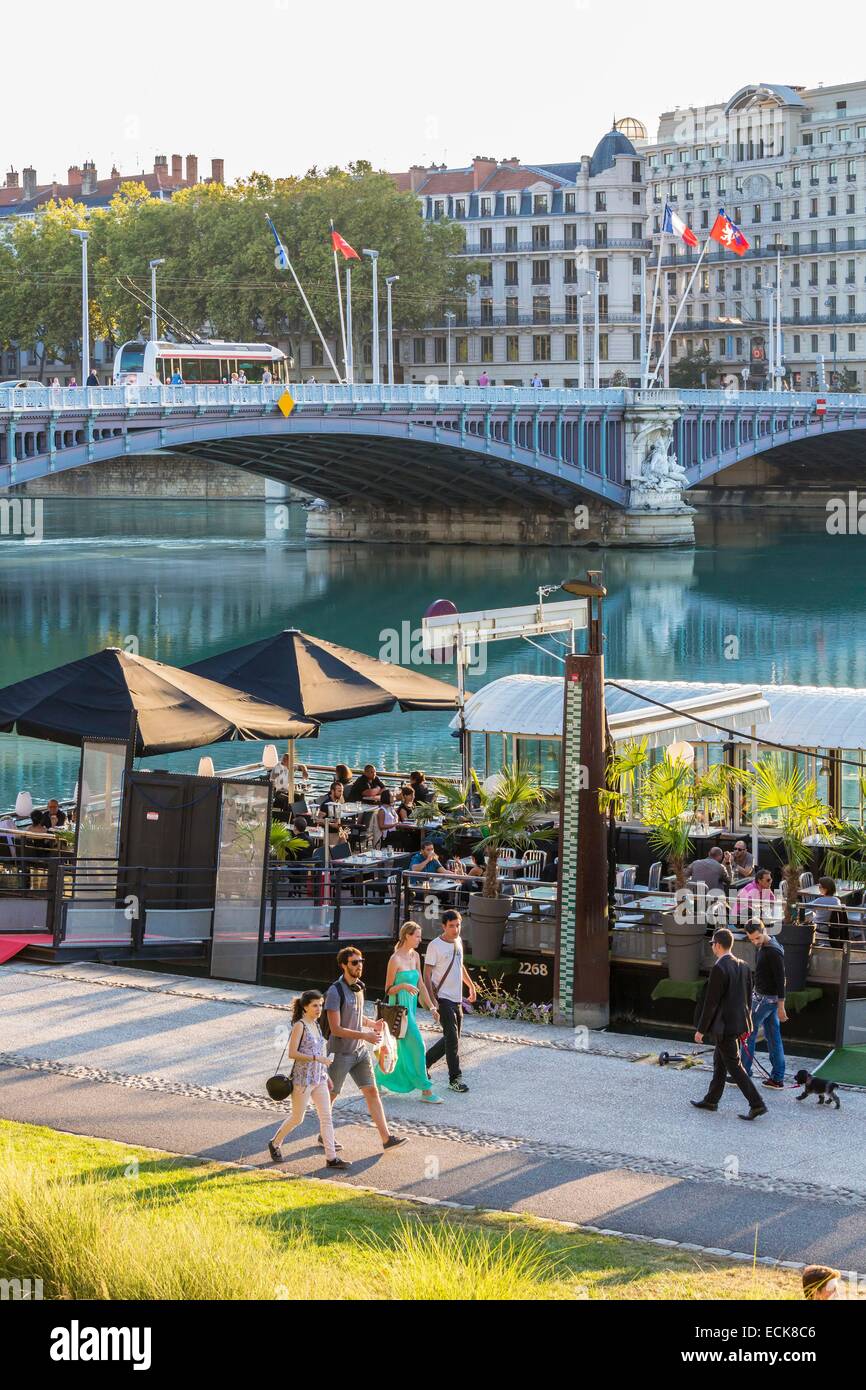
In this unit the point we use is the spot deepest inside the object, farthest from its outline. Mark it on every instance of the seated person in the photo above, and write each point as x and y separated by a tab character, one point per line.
385	819
52	816
420	787
425	861
822	913
476	868
335	795
741	860
366	787
343	774
407	804
299	832
279	780
712	871
756	900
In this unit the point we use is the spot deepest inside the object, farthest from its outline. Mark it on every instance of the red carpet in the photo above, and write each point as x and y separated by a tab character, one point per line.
10	945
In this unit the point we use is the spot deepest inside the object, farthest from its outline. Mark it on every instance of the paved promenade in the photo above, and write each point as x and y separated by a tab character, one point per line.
588	1135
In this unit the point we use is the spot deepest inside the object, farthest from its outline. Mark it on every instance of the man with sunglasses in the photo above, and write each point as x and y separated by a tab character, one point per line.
350	1033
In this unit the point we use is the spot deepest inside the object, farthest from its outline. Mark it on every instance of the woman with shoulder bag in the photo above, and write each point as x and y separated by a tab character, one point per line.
404	984
308	1052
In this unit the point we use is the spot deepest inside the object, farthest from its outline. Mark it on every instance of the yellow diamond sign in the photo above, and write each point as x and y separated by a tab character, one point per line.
286	404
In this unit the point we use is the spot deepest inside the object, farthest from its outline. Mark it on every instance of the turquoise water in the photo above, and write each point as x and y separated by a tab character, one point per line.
763	597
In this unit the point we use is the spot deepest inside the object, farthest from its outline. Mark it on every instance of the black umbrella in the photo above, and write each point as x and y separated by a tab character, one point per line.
322	680
96	697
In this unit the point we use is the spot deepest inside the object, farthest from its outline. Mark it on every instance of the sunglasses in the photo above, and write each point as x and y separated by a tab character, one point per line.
358	960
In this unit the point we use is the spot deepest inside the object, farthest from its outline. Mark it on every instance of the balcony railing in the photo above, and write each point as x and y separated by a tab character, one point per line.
500	249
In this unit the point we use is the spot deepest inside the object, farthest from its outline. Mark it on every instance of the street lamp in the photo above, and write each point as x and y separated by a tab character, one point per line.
389	281
450	318
154	327
595	332
830	304
374	257
581	344
85	312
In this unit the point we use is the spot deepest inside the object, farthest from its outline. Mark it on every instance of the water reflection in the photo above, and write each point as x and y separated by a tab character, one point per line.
185	580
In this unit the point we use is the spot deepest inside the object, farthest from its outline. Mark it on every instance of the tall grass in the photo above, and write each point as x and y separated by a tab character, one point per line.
88	1240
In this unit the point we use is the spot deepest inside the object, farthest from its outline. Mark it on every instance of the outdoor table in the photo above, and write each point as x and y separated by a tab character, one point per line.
537	897
653	908
844	891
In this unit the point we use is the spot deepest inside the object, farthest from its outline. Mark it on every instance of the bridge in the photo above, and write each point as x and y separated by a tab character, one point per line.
436	462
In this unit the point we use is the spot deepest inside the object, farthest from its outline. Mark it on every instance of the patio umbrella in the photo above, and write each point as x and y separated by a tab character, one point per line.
96	697
322	680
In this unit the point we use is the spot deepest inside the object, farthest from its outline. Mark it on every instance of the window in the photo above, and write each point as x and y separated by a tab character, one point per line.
486	275
460	207
511	205
602	347
850	169
777	212
487	311
721	187
797	343
796	176
602	306
601	234
419	351
540	308
601	267
813	207
635	303
511	238
511	310
539	202
637	198
831	209
511	272
486	349
852	342
795	274
636	265
486	207
570	202
849	206
485	239
636	171
637	231
512	348
795	209
438	209
569	270
571	307
440	350
571	347
570	235
690	188
601	202
541	347
540	238
635	347
705	218
317	356
541	272
813	342
461	349
672	192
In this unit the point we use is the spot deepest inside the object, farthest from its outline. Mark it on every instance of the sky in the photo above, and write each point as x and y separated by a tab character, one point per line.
280	85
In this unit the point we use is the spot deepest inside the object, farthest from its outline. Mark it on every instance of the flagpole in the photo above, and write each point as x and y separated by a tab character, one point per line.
649	348
350	350
340	302
284	256
688	291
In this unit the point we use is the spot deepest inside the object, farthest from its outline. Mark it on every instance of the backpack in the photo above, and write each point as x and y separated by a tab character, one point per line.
324	1025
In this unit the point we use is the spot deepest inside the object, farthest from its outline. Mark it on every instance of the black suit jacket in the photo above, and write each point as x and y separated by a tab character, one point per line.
727	1010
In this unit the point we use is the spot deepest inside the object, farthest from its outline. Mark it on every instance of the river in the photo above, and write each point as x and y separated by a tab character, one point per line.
763	597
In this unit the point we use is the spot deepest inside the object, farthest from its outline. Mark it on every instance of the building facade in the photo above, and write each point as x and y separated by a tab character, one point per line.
788	165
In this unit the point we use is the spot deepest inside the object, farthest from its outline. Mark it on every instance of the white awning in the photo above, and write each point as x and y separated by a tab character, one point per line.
740	708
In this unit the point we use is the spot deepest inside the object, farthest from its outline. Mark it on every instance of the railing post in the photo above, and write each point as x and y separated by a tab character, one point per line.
335	924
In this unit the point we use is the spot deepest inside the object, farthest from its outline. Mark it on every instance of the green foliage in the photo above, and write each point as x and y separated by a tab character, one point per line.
506	820
219	276
695	370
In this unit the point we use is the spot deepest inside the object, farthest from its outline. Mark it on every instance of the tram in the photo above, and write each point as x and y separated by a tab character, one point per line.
212	363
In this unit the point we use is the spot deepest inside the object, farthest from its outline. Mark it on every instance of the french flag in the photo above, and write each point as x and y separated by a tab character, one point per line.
675	226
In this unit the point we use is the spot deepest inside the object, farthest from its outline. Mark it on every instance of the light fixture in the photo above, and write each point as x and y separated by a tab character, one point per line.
681	752
205	766
23	805
270	757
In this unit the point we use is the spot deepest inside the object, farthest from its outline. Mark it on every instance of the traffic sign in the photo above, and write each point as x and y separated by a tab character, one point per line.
821	405
286	404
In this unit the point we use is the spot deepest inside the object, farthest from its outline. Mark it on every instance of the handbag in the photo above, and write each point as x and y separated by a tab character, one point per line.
396	1018
280	1086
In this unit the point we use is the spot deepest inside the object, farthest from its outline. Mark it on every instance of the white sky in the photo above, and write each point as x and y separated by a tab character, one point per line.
279	85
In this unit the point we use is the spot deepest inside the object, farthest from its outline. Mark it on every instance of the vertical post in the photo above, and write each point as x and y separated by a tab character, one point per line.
646	377
779	342
666	318
581	345
374	257
350	349
642	343
449	319
596	378
340	302
754	801
390	281
85	308
154	325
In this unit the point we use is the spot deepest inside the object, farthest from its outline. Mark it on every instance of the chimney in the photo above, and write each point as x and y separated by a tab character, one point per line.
160	165
217	170
417	175
115	172
88	177
73	176
192	168
12	178
29	183
176	169
512	163
482	168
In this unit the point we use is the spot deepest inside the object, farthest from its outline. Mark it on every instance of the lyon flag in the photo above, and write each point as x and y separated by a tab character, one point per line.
675	226
728	234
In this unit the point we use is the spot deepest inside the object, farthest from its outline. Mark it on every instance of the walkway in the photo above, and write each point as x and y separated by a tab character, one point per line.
585	1136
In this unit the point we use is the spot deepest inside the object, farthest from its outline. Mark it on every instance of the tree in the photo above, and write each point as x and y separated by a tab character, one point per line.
794	802
695	370
40	307
508	814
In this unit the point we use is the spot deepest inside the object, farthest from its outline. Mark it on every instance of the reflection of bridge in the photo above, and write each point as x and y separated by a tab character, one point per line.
380	451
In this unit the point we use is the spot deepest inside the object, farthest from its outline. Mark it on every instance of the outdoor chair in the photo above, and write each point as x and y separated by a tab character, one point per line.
807	880
534	859
654	881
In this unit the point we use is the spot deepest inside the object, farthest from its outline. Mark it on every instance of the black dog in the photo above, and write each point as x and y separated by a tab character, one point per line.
814	1086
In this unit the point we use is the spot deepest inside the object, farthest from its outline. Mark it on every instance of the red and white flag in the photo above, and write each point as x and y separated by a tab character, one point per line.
728	234
675	226
340	244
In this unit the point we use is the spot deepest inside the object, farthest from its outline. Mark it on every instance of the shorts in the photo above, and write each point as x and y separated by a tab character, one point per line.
356	1065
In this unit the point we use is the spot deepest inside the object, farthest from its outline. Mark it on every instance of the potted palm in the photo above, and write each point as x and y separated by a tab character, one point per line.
784	793
668	797
508	804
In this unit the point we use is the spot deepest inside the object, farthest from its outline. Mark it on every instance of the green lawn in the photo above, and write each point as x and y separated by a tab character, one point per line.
97	1219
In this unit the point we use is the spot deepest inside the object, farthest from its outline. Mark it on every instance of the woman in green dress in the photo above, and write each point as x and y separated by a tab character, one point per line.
404	983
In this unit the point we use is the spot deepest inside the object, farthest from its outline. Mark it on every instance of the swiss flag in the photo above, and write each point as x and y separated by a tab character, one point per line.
727	234
340	244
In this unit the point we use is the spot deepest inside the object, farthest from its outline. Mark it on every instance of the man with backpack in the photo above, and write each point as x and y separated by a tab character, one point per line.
348	1034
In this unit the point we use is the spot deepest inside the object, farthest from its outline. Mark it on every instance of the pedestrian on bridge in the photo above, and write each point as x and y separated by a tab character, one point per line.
92	380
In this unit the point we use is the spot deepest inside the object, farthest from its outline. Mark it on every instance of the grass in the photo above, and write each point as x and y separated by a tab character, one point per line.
95	1219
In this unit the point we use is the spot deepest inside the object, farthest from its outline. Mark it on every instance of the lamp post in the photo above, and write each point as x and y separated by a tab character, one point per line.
374	257
831	304
596	376
389	281
154	327
85	308
581	342
450	317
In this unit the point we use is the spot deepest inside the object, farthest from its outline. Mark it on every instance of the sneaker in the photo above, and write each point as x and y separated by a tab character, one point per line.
459	1086
431	1099
275	1152
321	1141
336	1163
394	1141
773	1085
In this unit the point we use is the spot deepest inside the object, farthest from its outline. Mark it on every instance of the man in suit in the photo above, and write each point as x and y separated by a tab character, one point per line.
725	1017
